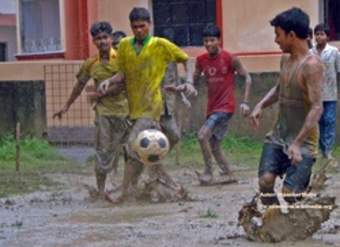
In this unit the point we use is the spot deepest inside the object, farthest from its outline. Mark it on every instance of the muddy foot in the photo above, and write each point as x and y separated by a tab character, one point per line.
95	195
209	180
204	179
158	191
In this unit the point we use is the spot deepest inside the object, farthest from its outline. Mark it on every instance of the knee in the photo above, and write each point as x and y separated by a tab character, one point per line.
266	182
201	136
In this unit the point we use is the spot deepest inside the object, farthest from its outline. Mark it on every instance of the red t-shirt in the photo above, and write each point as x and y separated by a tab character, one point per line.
220	78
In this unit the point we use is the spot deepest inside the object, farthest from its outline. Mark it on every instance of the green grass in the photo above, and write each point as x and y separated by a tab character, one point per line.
209	214
239	150
37	158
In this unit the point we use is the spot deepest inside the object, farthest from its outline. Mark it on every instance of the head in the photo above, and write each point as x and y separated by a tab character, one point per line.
212	39
101	33
140	21
321	33
291	26
116	37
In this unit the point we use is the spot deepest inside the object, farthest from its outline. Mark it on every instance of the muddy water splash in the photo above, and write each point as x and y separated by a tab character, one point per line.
299	222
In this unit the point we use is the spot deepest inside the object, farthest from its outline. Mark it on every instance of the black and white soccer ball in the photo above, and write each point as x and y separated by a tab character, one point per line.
151	146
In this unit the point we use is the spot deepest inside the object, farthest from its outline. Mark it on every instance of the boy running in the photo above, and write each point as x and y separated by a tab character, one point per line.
290	148
218	67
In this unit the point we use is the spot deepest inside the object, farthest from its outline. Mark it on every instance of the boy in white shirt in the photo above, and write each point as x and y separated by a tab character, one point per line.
330	57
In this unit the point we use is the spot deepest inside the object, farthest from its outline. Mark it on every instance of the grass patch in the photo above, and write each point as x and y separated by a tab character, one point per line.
209	214
37	158
243	151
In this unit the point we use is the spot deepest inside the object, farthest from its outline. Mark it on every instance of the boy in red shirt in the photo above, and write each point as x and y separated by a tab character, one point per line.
219	67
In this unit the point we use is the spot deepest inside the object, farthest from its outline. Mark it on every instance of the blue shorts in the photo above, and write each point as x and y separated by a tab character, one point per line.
218	123
275	161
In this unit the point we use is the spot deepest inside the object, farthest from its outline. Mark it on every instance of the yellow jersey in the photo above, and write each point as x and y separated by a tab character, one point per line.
98	71
144	72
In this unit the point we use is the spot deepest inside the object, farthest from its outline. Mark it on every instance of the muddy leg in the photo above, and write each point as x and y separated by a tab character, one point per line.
266	184
101	179
204	135
162	187
132	171
158	172
220	157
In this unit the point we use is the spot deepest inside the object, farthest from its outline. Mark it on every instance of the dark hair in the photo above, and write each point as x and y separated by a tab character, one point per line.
211	30
139	14
101	26
294	19
118	34
322	28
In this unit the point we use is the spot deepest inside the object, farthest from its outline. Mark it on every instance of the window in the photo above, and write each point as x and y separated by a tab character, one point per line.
3	52
182	21
332	17
40	26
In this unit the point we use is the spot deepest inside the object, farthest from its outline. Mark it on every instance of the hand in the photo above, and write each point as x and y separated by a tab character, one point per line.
189	89
103	86
255	116
170	88
93	96
245	109
60	113
115	89
186	88
294	153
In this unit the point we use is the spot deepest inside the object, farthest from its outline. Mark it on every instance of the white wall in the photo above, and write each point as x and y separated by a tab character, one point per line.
8	6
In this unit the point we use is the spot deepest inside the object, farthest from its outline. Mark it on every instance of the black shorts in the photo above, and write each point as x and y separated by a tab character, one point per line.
275	161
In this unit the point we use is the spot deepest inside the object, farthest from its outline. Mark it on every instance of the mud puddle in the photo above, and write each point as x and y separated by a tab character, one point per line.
67	218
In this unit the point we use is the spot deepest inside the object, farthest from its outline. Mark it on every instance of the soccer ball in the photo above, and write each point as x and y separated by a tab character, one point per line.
151	146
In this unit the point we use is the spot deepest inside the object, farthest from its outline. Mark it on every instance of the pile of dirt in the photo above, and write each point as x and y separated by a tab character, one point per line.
289	222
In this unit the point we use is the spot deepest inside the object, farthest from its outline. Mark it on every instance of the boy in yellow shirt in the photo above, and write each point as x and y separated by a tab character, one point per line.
111	108
142	62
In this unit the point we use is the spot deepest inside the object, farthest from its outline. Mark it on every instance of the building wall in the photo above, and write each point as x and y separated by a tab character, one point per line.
8	7
117	12
246	25
8	36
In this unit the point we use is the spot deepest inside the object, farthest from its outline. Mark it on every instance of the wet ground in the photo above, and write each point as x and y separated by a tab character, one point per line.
67	218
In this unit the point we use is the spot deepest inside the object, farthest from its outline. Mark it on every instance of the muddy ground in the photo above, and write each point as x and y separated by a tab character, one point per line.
66	217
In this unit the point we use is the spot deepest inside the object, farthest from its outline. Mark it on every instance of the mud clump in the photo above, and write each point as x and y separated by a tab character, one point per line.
291	222
300	222
158	190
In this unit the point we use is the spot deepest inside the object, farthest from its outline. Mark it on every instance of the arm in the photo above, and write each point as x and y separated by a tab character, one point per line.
240	70
188	87
312	78
172	53
271	97
312	73
76	91
197	73
113	86
337	64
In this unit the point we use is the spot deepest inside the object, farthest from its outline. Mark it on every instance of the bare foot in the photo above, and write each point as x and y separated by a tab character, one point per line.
204	178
